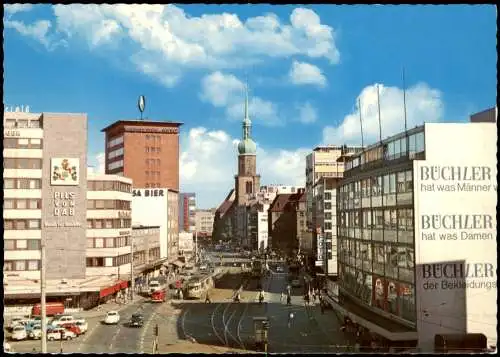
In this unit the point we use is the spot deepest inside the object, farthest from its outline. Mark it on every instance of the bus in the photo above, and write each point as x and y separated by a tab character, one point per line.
198	286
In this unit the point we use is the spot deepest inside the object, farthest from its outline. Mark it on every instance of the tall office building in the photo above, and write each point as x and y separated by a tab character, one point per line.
145	151
45	181
417	248
187	208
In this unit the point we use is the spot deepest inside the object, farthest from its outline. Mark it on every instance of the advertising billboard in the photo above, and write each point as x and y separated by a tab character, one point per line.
455	232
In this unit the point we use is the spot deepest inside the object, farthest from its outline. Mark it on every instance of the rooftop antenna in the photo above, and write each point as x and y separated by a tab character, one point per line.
404	108
141	104
361	122
379	122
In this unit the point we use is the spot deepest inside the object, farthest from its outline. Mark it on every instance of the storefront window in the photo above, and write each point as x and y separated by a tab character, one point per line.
392	183
378	218
408	299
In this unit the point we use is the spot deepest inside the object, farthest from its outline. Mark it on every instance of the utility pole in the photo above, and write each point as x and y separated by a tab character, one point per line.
43	305
132	284
196	246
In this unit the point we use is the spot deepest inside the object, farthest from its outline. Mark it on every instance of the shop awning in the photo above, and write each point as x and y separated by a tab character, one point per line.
123	284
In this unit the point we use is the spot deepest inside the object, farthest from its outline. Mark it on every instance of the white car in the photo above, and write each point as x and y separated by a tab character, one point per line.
112	318
18	333
83	325
36	332
16	321
55	334
64	319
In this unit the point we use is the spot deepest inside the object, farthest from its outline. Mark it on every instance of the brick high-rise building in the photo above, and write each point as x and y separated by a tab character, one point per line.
145	151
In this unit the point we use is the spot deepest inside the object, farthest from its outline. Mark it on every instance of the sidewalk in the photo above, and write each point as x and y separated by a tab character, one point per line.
191	347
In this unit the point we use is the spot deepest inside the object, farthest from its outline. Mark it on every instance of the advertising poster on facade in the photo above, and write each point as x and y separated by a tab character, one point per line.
65	172
455	192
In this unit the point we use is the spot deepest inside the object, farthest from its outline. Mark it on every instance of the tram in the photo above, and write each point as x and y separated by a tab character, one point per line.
197	286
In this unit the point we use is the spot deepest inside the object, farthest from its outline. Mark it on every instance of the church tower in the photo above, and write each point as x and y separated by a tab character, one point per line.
247	182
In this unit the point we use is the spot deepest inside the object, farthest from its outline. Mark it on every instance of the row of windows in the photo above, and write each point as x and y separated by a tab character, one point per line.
22	244
21	265
115	165
111	242
109	186
108	223
143	256
22	163
115	141
389	295
153	185
93	262
153	162
115	153
21	224
152	175
391	151
153	137
390	218
22	203
152	149
22	143
22	183
400	182
22	123
108	204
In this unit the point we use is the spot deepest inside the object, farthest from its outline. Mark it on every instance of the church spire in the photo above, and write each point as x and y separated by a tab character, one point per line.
247	124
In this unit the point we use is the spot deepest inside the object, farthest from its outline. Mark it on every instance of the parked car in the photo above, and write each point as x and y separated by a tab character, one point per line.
83	325
73	328
38	320
80	319
112	318
18	333
58	332
36	332
137	320
63	319
16	321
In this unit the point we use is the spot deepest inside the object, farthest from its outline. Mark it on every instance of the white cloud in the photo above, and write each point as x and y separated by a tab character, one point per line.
305	73
307	113
219	89
227	91
422	104
209	162
14	8
38	31
169	36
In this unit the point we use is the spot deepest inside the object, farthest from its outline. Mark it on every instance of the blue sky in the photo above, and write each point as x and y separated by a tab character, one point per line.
306	68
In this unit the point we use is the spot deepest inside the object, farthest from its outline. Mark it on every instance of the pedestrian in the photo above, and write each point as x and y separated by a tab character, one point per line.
207	299
288	300
322	306
281	297
290	319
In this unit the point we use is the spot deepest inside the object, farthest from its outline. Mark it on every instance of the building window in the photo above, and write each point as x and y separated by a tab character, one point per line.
328	225
19	265
9	244
328	196
248	189
328	205
33	265
158	162
90	243
110	242
99	243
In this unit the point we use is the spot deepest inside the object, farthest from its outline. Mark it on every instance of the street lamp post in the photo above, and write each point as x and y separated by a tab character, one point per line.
43	306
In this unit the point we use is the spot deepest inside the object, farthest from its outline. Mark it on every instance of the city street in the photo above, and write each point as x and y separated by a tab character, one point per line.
224	323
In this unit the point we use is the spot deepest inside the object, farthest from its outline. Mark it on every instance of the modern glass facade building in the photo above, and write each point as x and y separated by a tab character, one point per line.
376	249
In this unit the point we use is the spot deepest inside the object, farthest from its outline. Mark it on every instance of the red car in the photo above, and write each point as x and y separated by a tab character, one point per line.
73	328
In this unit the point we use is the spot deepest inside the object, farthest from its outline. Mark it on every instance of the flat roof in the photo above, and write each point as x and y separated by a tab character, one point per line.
137	122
